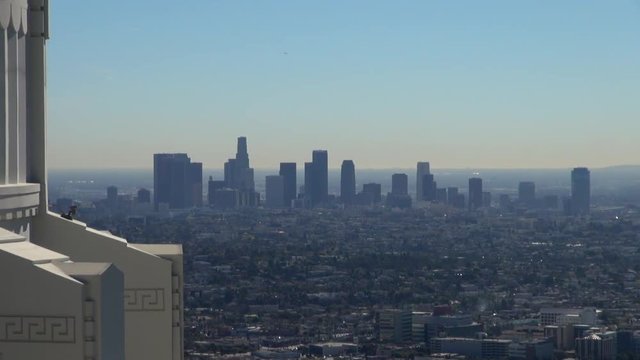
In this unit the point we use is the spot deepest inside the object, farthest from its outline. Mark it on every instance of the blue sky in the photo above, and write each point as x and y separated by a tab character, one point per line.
471	84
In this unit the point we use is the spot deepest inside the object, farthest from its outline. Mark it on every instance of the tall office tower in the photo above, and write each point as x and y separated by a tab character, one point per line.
475	193
372	193
242	155
195	180
144	196
112	196
244	173
274	191
399	184
347	182
452	195
171	180
308	183
320	181
229	173
527	193
422	170
580	191
399	195
428	188
213	186
67	291
176	181
441	195
288	171
238	175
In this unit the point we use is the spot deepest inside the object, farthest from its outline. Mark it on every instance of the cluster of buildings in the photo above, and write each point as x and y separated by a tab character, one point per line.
555	333
178	185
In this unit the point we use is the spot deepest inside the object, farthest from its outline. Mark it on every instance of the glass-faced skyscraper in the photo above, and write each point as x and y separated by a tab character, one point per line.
580	191
422	170
475	193
239	176
274	185
347	182
527	193
317	178
177	181
399	184
288	172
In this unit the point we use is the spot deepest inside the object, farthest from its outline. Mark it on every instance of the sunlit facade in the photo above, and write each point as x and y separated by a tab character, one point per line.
68	291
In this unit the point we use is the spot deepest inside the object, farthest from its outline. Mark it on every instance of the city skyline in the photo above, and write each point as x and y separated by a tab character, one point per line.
486	85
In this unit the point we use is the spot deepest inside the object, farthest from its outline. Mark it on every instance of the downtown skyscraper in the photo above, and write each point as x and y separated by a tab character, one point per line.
476	198
238	175
288	171
177	182
317	178
348	182
580	191
274	191
423	169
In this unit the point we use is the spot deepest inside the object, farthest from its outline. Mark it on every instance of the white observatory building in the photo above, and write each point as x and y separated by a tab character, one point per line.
67	292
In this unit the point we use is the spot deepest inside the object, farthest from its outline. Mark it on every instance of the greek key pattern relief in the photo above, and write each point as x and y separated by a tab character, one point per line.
38	329
144	299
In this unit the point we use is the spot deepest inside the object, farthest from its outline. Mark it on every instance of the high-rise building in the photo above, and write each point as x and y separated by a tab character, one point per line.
112	196
238	175
441	195
316	179
274	191
176	181
428	188
580	191
371	193
475	193
230	173
320	182
399	195
394	325
212	187
308	181
68	291
242	155
144	196
527	193
399	184
288	171
347	182
600	346
423	169
195	180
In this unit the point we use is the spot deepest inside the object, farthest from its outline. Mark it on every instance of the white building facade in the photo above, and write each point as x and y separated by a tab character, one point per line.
67	291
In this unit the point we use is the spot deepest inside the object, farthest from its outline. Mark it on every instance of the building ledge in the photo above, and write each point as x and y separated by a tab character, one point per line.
19	201
159	249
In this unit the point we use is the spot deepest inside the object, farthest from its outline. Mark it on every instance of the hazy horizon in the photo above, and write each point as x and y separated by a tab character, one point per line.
465	84
301	168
